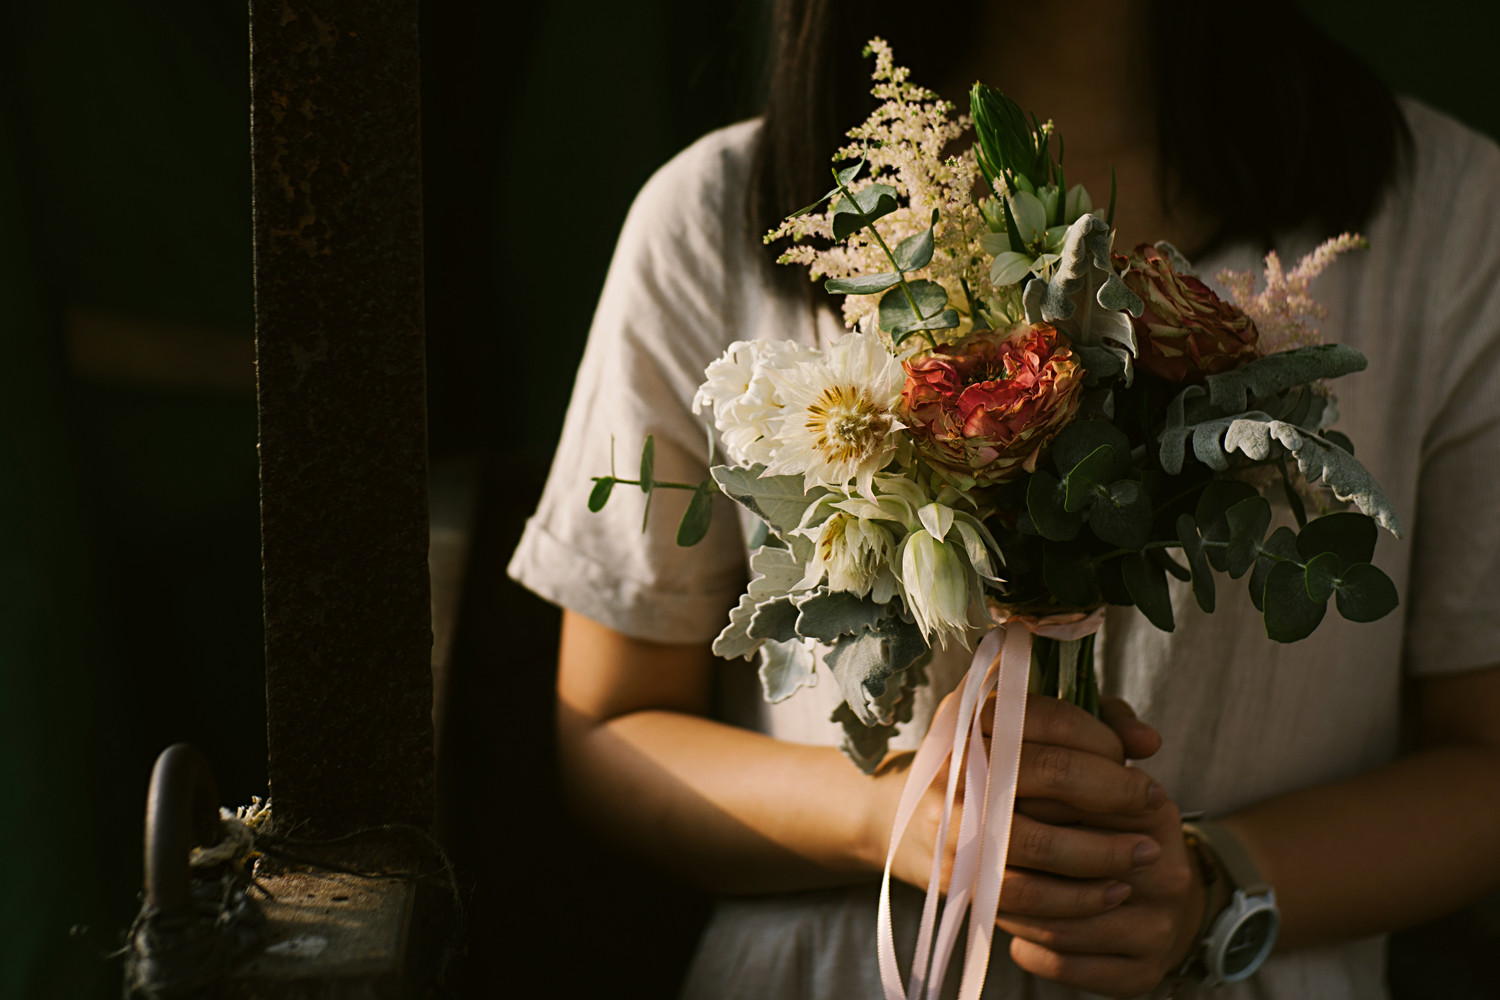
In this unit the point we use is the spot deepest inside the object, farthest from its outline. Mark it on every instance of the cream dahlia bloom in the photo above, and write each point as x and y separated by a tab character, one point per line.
739	388
838	422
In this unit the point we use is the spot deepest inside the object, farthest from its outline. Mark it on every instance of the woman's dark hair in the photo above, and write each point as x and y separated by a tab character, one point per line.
1265	122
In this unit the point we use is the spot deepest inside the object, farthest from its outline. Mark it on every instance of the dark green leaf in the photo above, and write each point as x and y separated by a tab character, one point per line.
1112	584
1163	558
1248	522
915	252
1122	516
1365	593
1147	584
895	308
1322	576
1197	557
1347	533
871	203
648	463
1216	498
1283	543
865	284
1044	502
1082	438
700	511
1069	574
1340	439
1290	614
599	495
945	320
1081	483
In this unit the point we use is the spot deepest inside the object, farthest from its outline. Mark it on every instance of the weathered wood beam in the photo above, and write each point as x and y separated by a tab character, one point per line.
341	384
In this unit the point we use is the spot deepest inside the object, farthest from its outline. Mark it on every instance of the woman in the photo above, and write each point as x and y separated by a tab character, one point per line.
1296	751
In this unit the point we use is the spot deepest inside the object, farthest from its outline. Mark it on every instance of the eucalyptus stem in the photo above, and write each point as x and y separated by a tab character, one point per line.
900	274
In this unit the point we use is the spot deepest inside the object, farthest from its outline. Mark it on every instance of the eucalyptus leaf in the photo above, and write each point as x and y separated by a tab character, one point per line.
1351	536
1163	558
896	309
1290	614
648	464
599	495
780	501
1045	498
785	668
865	284
1147	584
1321	576
1232	391
1282	545
1111	584
914	252
1216	499
1202	574
698	516
1069	574
1081	484
1248	522
1122	515
1083	438
948	319
869	204
1365	593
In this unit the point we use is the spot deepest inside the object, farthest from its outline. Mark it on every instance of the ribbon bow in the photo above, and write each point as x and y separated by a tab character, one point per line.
1002	664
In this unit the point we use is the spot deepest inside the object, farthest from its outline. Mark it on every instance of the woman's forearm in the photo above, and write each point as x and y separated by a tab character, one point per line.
1383	850
1397	845
724	808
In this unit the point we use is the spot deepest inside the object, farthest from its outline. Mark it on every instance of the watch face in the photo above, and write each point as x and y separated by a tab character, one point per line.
1249	944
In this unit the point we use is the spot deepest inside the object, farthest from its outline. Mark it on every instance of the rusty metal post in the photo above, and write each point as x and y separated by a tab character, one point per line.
343	438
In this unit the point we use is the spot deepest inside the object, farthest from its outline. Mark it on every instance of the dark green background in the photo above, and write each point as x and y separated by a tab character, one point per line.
129	590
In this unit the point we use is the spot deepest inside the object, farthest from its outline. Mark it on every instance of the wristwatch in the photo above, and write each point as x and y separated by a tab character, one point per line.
1242	935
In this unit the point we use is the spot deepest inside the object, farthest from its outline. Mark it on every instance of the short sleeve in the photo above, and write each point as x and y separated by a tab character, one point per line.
670	305
1453	622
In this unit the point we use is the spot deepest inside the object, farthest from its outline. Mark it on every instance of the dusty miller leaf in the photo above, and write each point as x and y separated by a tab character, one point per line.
780	501
1085	298
826	615
864	663
867	745
786	668
1232	391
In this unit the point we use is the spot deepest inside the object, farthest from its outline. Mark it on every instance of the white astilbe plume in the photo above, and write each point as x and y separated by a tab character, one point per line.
1284	312
904	142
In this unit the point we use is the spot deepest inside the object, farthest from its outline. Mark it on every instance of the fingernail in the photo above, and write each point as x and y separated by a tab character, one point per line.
1115	894
1156	796
1146	852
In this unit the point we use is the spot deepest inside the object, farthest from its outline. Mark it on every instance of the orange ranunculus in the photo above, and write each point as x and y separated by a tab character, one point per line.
983	411
1186	331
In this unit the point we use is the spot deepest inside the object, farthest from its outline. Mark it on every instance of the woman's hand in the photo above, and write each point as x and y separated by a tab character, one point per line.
1127	950
1071	765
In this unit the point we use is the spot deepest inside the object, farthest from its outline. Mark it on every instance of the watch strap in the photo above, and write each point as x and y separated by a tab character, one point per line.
1230	855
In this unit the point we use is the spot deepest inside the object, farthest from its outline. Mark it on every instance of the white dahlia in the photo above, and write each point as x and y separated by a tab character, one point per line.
838	421
739	387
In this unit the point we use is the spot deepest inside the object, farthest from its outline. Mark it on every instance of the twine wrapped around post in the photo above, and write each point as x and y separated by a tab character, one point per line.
1002	664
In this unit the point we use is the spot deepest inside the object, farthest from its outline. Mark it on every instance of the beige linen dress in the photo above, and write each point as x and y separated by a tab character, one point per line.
1242	718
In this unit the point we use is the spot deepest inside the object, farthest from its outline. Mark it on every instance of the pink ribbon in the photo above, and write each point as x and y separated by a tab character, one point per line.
1002	664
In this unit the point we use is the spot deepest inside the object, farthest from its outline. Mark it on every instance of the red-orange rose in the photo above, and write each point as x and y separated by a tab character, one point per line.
983	412
1186	331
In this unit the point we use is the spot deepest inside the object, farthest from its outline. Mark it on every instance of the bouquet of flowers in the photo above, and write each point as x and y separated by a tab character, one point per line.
1021	426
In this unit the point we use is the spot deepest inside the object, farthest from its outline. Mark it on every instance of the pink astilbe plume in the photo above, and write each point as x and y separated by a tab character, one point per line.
1284	311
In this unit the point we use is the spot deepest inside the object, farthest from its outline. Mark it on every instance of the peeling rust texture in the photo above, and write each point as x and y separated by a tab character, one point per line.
343	435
